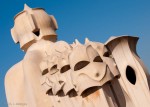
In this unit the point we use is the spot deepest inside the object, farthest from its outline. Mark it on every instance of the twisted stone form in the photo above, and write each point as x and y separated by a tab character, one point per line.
58	74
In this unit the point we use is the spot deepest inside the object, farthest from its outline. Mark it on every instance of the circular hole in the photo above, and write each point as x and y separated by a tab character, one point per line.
130	74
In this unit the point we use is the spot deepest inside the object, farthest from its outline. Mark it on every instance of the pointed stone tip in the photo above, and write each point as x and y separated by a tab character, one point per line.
26	7
86	40
76	41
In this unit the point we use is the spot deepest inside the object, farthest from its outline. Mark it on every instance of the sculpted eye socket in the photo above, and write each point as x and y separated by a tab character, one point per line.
53	69
65	68
107	54
45	72
97	59
36	32
81	65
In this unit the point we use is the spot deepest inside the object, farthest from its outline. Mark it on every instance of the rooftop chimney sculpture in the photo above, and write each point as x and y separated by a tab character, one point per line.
58	74
32	25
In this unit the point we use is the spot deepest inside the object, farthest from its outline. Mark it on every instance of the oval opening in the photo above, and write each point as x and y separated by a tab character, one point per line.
65	68
45	72
130	74
81	65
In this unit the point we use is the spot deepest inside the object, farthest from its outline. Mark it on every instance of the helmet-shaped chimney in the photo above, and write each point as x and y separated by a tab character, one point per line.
31	25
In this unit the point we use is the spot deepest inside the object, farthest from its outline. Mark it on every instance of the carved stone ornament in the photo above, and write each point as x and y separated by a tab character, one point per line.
57	74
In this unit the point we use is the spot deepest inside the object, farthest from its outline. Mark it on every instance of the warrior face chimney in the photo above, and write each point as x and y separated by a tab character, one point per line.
31	25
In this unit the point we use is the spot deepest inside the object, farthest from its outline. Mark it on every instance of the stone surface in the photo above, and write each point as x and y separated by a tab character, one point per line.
58	74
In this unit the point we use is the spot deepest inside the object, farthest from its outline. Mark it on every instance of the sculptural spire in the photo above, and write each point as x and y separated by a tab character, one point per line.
27	8
86	41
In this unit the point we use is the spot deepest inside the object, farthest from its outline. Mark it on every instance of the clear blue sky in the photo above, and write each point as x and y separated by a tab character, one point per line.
95	19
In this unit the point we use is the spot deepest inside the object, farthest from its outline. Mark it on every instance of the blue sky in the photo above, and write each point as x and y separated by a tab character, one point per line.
95	19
